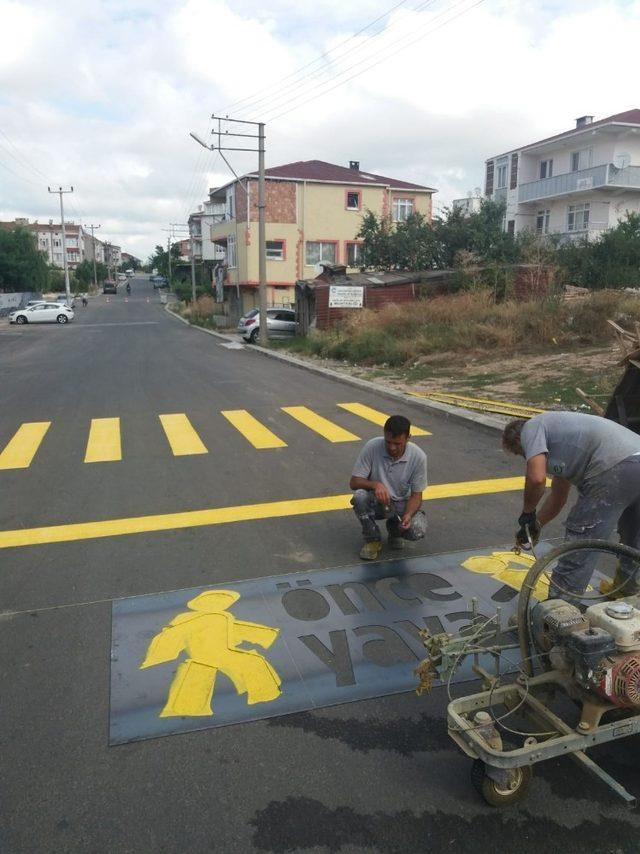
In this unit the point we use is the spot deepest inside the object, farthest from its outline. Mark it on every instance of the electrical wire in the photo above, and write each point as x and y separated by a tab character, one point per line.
20	158
327	53
276	94
377	61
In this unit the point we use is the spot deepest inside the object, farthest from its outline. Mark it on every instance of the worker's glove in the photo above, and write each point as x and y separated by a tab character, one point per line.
530	522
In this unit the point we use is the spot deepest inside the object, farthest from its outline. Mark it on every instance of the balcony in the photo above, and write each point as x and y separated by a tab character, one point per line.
597	178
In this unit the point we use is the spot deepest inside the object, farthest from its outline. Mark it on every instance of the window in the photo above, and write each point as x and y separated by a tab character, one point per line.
56	243
511	226
320	253
231	251
231	206
353	200
488	184
513	180
355	255
546	169
275	250
578	217
542	221
580	159
501	176
402	209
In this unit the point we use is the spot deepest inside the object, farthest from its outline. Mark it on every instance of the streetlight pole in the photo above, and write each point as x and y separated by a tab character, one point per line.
262	245
67	288
93	246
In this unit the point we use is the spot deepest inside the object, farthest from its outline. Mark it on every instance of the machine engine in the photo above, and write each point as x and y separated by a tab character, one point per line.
601	647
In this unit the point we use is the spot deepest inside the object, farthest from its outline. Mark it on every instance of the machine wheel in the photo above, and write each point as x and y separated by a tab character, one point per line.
21	319
62	318
493	794
254	336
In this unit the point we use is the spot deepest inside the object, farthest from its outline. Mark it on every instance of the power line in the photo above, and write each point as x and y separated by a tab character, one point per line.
19	177
20	158
254	98
271	118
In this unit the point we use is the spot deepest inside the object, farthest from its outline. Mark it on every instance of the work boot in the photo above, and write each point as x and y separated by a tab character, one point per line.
371	550
620	586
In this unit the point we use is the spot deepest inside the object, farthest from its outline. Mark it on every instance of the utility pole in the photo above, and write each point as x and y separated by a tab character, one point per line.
67	289
93	246
169	258
262	245
193	268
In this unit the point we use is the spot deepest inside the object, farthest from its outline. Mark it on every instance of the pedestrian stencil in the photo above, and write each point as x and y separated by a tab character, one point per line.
211	637
248	650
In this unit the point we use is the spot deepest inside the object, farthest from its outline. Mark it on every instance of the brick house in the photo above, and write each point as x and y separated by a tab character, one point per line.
313	212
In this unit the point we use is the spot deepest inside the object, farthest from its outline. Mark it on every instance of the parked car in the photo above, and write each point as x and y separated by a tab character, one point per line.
44	312
109	287
129	273
281	323
159	282
62	300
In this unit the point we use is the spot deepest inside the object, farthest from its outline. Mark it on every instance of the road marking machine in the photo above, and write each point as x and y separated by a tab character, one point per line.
571	682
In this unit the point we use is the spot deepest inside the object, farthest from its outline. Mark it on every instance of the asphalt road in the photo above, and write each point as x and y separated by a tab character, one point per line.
373	776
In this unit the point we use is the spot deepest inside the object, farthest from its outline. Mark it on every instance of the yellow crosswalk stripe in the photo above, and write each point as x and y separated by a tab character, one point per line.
255	432
320	425
22	448
377	417
181	436
104	445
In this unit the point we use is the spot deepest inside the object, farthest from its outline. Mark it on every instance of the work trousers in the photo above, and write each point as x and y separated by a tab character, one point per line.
367	508
610	498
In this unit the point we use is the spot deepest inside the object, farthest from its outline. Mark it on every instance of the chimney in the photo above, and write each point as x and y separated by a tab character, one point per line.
355	165
583	120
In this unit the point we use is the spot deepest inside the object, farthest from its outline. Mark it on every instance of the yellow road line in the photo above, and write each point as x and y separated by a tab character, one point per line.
320	425
181	436
377	417
223	515
104	443
252	430
446	397
22	448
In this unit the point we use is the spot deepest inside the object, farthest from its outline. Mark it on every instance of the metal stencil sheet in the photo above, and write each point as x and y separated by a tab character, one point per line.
248	650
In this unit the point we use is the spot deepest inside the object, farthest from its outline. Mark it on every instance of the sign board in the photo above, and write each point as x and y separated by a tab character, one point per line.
346	296
248	650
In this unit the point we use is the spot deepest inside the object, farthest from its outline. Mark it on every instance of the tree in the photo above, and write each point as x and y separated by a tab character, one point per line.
22	266
611	261
160	259
84	273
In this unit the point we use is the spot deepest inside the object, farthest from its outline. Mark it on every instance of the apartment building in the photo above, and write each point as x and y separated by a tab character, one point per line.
93	248
48	238
577	183
314	211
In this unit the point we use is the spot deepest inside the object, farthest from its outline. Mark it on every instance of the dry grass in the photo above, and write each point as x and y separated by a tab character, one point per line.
468	322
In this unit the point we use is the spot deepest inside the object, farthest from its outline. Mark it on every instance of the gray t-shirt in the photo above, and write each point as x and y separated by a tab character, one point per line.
401	477
578	446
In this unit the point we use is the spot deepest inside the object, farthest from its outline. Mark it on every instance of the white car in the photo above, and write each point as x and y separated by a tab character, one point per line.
281	323
50	312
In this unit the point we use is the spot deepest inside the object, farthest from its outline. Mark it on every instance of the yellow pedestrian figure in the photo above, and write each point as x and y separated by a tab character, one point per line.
210	636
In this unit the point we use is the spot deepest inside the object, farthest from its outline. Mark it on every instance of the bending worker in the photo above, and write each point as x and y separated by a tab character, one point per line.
389	478
602	460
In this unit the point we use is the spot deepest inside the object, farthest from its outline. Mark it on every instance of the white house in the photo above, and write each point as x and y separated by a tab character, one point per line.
576	183
48	238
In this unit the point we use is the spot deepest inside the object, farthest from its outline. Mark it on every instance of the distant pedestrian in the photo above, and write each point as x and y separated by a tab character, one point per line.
85	302
388	480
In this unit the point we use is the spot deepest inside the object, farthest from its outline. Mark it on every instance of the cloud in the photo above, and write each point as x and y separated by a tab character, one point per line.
103	95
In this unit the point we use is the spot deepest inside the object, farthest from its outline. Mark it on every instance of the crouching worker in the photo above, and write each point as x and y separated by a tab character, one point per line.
602	460
389	478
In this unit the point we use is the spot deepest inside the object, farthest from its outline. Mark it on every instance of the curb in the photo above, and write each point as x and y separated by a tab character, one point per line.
489	422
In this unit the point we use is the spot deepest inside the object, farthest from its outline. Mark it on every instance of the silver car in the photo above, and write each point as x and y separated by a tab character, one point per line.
43	312
281	323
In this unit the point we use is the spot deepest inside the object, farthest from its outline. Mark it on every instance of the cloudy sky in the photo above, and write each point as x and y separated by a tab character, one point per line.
102	95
